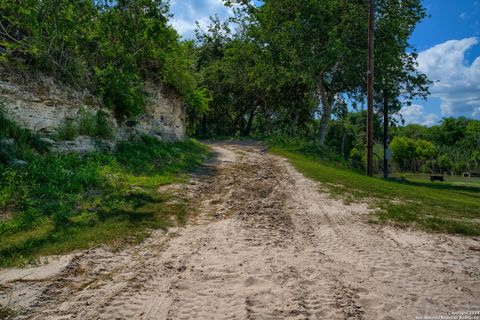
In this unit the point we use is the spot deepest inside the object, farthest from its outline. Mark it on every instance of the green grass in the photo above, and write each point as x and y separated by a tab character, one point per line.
67	130
96	125
439	207
453	180
62	202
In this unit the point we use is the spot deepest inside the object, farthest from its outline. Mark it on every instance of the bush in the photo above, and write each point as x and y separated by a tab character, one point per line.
121	91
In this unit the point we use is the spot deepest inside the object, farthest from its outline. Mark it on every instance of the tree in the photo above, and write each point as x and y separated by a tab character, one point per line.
412	154
47	35
320	41
324	43
397	80
424	150
249	90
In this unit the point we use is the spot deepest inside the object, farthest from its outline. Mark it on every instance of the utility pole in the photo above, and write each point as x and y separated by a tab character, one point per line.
371	46
386	151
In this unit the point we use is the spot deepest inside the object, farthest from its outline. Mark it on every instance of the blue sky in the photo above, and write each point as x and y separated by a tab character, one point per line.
448	43
449	46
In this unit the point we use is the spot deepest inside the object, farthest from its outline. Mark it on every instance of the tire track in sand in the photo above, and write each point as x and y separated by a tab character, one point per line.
267	244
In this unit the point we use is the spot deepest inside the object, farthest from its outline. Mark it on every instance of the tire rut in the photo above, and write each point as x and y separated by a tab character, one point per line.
266	244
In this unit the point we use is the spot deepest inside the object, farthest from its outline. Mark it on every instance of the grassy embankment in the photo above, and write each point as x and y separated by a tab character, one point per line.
56	203
439	207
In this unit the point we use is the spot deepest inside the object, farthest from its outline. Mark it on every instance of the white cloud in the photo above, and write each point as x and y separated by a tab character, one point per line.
415	114
187	12
457	84
430	120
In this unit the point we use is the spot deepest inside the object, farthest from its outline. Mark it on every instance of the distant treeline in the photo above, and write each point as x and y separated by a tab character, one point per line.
279	67
452	146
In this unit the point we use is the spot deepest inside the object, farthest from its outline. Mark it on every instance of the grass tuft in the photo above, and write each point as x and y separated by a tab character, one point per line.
67	131
95	124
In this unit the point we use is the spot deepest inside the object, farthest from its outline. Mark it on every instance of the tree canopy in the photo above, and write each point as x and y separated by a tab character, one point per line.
302	62
110	47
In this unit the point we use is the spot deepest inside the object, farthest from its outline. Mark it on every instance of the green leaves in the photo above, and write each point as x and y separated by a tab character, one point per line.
109	47
199	100
293	62
121	91
410	153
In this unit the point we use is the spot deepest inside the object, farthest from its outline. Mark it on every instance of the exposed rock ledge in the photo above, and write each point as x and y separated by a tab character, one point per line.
44	105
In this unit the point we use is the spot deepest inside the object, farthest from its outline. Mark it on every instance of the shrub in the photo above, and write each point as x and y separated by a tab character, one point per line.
121	91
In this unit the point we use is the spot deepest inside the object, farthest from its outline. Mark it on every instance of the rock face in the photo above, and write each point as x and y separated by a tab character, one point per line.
164	117
42	106
81	144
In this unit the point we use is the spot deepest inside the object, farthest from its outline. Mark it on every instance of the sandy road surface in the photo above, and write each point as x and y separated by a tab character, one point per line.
267	244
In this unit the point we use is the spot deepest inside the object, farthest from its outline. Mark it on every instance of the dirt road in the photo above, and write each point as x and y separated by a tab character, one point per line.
266	244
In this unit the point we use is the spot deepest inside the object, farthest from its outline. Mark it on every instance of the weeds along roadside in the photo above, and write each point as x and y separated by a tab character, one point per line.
52	203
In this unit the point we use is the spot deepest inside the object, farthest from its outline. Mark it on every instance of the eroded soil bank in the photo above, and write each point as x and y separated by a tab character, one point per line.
265	244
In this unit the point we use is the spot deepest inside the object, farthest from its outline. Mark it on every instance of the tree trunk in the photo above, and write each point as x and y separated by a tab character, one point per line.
326	114
294	125
204	125
250	122
237	125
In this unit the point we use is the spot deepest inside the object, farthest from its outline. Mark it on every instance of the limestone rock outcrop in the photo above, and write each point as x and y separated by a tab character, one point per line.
42	106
